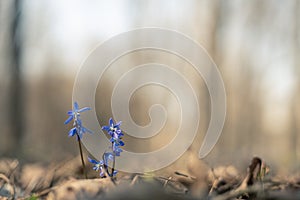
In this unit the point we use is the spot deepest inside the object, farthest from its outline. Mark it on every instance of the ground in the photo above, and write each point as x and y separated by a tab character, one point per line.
64	180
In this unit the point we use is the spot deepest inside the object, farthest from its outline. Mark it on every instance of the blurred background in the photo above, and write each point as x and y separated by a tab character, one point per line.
255	44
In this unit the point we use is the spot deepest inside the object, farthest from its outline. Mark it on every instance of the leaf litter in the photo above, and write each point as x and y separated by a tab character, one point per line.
64	180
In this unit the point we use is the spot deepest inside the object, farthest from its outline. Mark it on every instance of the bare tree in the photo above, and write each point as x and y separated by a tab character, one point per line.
16	110
294	126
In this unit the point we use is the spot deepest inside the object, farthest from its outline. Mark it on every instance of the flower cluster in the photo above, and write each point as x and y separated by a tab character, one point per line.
116	140
74	114
116	135
98	165
78	129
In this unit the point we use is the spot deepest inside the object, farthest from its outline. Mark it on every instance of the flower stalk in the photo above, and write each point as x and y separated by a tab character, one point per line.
81	155
116	141
78	129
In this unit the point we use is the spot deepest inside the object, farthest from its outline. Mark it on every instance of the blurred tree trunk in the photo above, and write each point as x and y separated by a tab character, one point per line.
295	108
15	98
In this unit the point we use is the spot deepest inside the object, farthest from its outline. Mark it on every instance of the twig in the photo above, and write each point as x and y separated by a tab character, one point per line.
167	181
236	193
39	194
185	175
180	174
3	177
134	180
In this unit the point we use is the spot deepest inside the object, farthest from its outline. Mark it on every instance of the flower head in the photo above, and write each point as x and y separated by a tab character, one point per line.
75	115
116	149
79	130
113	129
107	156
116	134
98	166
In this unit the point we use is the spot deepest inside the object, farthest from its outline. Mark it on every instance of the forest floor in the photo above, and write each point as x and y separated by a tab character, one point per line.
64	181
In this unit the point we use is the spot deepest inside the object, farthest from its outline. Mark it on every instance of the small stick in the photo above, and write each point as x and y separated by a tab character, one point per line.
180	174
235	193
134	180
167	181
39	194
185	175
3	177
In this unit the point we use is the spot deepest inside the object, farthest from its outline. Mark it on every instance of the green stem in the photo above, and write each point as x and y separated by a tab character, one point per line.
81	155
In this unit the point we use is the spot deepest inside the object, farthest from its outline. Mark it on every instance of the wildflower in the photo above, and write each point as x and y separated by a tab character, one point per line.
75	115
107	156
116	149
78	129
116	134
113	129
98	166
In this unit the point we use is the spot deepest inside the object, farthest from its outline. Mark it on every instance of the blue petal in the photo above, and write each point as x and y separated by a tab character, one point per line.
115	172
72	132
70	112
108	156
121	143
111	133
120	135
84	109
92	161
120	150
79	122
102	174
107	128
118	124
84	130
76	107
68	120
111	122
117	150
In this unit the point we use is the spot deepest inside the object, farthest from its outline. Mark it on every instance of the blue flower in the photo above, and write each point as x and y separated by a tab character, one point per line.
72	132
75	115
108	156
116	149
117	141
113	129
98	166
116	134
79	130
